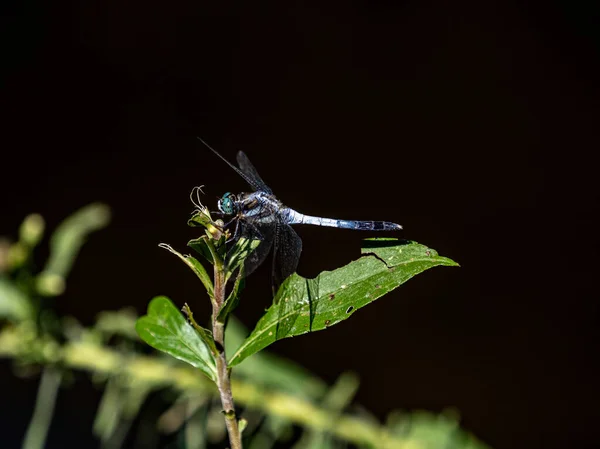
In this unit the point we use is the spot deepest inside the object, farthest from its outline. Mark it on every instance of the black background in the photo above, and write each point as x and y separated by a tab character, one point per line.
473	124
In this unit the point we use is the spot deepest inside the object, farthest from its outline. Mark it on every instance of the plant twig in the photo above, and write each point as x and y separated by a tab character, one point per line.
223	382
37	431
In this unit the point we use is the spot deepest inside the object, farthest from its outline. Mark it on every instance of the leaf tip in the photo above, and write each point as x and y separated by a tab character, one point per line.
449	262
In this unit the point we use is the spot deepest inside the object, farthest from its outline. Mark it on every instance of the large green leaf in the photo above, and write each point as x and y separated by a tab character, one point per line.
165	328
306	305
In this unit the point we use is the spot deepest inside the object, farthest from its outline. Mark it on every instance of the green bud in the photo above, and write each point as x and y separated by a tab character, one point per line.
4	251
17	255
50	284
32	230
243	423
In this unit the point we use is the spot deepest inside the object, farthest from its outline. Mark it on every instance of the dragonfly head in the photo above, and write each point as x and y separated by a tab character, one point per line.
227	204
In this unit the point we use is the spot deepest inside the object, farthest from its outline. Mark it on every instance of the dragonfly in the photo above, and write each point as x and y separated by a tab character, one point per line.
259	215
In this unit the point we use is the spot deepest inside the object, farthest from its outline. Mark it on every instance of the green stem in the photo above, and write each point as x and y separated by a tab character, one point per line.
223	381
37	431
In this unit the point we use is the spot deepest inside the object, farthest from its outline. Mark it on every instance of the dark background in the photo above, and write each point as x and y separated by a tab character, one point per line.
471	123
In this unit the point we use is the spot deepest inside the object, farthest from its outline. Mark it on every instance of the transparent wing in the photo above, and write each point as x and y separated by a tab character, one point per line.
286	253
266	235
284	241
254	181
248	169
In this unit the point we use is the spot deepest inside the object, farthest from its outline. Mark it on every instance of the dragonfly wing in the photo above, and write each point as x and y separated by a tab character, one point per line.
251	174
264	233
254	181
286	253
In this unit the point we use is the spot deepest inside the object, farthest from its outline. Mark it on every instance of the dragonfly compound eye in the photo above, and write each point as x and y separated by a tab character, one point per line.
225	204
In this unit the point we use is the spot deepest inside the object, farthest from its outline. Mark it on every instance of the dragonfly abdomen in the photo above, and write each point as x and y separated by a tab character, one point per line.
294	217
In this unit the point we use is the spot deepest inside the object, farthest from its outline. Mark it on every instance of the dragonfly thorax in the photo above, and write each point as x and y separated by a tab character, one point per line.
227	204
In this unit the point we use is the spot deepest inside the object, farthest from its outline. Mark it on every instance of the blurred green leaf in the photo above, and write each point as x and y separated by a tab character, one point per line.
166	329
120	322
341	394
14	304
196	267
37	430
5	246
338	397
306	305
65	243
427	430
109	410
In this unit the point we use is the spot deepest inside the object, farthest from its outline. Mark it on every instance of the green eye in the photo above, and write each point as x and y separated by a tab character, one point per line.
225	204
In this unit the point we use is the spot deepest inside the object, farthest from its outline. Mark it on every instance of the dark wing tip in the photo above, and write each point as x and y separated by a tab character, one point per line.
242	158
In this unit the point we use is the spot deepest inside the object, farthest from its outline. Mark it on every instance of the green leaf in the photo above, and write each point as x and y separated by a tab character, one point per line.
14	304
201	247
202	219
70	235
233	299
306	305
205	334
166	329
196	267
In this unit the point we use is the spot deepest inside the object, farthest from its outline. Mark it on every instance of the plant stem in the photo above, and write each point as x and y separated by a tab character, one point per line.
223	382
37	431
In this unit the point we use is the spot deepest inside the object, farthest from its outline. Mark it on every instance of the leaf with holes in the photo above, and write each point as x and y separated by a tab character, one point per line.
165	328
306	305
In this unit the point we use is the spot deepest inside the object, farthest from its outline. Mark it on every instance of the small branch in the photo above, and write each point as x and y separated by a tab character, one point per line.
37	431
223	382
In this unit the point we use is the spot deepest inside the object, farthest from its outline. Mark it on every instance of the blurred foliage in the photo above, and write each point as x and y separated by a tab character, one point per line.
284	404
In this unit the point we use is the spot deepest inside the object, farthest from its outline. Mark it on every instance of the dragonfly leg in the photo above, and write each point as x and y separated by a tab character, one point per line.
235	232
257	232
